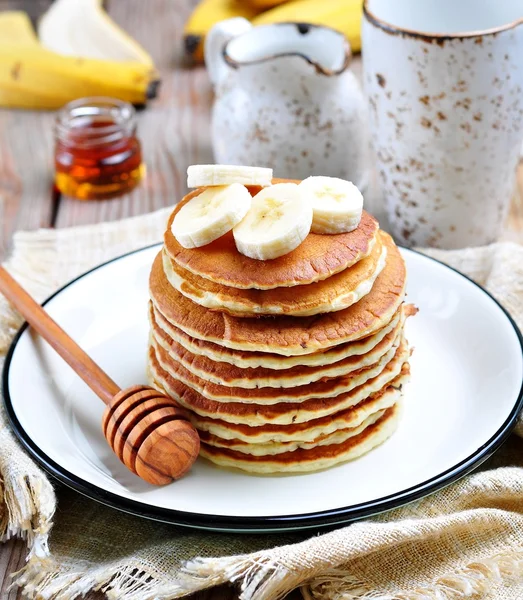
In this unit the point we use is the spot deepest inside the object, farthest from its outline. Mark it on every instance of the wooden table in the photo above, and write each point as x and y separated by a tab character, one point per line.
174	131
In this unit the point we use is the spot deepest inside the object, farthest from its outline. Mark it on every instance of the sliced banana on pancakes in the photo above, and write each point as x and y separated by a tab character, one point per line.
210	175
278	221
275	221
211	214
337	204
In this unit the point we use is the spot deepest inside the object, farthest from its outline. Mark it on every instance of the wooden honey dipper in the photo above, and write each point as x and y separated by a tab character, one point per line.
147	430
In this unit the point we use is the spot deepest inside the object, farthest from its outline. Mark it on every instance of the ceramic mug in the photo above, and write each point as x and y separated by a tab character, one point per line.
286	98
444	81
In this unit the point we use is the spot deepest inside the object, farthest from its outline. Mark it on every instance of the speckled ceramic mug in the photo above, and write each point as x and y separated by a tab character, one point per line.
444	81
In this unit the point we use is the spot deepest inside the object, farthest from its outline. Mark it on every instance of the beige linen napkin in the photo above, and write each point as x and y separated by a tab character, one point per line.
463	542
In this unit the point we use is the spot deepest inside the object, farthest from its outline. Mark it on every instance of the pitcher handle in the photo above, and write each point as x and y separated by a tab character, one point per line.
215	42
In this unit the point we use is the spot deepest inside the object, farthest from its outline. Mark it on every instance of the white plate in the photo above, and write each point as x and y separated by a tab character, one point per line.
465	393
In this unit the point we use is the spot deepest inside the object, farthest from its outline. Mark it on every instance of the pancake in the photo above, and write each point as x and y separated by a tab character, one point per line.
288	365
310	431
289	336
270	395
313	459
227	375
284	413
245	359
315	259
334	293
273	448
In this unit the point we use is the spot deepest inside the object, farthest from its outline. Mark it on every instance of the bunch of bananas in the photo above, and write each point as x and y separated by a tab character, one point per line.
60	65
343	15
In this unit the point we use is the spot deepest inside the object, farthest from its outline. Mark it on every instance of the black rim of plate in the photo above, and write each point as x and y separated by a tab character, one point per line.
315	520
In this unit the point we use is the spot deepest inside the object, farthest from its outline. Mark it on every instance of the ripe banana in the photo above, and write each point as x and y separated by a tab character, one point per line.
205	175
32	77
343	15
278	221
265	3
16	28
210	215
336	204
83	28
206	14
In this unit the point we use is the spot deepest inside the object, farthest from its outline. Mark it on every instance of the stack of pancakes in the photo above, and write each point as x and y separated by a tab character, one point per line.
288	365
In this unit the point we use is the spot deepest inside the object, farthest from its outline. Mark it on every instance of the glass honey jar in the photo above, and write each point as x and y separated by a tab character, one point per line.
97	153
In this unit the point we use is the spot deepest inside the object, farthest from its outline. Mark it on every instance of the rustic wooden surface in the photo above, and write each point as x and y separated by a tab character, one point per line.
175	133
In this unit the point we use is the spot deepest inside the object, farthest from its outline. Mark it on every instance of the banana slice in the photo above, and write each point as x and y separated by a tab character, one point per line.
210	215
337	204
209	175
279	220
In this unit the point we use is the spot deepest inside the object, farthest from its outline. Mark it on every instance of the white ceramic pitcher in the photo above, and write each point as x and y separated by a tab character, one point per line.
286	98
444	80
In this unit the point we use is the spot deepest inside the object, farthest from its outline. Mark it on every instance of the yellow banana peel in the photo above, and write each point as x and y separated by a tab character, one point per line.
31	77
34	77
265	4
16	29
206	14
342	15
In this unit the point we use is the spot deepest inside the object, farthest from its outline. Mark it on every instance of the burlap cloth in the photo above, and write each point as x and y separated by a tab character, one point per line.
463	542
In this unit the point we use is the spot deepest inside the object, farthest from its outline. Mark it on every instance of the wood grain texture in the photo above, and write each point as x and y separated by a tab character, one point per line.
26	151
82	364
150	434
153	431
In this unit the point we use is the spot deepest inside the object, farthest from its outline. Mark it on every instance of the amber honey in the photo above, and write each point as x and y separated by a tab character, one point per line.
97	152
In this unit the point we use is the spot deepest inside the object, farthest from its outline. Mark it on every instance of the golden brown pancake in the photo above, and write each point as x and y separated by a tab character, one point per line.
228	375
313	459
284	366
245	359
289	336
309	431
327	388
283	413
318	257
272	448
334	293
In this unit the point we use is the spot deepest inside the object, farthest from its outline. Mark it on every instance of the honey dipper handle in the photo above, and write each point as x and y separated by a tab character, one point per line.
84	366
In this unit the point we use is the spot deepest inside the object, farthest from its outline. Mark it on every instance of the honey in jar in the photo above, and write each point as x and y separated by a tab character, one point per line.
97	153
